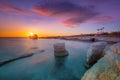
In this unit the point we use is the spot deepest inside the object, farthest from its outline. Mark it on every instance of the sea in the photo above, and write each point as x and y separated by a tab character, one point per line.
43	65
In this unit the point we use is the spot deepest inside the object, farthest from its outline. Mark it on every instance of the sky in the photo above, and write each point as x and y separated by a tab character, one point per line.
58	17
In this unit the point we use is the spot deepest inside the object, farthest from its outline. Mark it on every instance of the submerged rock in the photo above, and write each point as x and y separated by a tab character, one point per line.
17	58
62	72
95	52
107	68
59	50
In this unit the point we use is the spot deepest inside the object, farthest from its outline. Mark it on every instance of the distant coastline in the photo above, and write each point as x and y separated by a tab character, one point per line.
112	37
115	34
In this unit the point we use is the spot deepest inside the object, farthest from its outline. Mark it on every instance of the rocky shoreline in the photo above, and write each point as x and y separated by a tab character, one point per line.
110	40
107	68
107	65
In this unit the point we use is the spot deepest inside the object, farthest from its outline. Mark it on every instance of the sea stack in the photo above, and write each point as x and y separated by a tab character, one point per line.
60	50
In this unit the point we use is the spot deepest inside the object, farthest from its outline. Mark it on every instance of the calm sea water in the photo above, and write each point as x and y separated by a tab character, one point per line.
41	66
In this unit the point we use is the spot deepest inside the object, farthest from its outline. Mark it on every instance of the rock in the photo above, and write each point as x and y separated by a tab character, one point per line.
92	39
107	68
95	52
115	48
16	58
34	36
41	51
59	50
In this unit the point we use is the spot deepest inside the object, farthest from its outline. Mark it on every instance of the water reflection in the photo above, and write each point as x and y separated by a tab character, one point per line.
42	66
60	63
61	71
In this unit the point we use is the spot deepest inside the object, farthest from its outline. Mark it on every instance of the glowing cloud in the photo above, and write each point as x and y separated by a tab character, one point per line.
75	14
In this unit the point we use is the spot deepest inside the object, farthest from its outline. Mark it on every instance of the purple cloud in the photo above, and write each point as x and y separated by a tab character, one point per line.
8	8
74	14
103	19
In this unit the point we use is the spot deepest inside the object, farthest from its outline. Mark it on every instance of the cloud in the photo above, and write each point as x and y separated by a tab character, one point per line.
74	14
103	19
37	21
8	8
98	1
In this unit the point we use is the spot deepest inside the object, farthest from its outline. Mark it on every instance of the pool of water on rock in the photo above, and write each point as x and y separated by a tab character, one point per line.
42	65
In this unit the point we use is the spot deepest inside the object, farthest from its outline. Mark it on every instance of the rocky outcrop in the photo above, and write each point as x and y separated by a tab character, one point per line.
16	58
107	68
95	52
59	50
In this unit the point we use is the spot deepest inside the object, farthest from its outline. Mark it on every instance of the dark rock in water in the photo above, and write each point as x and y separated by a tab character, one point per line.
34	36
14	59
34	48
41	51
95	52
92	39
59	50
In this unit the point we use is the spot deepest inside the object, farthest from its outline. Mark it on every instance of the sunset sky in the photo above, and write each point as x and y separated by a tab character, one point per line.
57	17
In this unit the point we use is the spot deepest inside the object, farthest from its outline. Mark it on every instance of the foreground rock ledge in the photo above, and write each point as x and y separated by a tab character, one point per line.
115	48
107	68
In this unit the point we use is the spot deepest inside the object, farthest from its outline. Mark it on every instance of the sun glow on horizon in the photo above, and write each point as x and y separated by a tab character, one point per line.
31	34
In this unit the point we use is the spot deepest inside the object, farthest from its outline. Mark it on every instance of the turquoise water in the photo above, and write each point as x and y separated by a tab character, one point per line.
42	66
